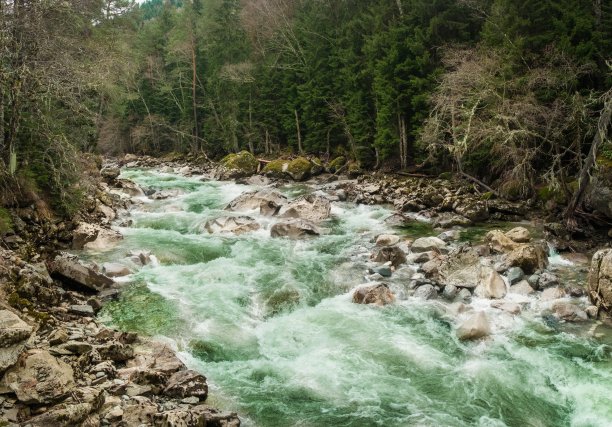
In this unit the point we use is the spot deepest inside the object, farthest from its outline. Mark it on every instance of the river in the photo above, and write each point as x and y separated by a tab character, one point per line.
271	324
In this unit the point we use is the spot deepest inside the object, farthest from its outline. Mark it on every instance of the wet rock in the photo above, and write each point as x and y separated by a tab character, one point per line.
130	188
311	207
39	378
426	244
377	294
392	254
519	235
92	236
68	267
461	268
426	292
110	173
187	383
464	295
449	220
231	224
509	307
254	200
600	279
450	292
475	211
528	257
294	229
475	327
499	242
115	351
568	311
592	311
450	235
534	281
490	284
552	294
14	334
387	240
140	257
166	194
547	280
514	275
114	269
384	271
522	288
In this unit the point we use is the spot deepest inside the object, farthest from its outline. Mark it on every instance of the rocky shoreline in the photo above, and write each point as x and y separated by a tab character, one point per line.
60	366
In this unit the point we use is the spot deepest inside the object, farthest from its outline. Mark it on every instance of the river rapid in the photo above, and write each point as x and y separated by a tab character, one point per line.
271	324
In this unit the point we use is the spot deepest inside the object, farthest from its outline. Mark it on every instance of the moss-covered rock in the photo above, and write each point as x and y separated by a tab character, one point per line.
299	169
354	170
317	166
336	164
276	168
239	165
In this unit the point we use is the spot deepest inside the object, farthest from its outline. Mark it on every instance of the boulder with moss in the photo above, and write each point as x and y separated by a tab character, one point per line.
276	169
335	165
299	169
238	165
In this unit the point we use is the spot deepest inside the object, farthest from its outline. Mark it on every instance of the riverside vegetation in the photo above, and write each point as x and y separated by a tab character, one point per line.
340	212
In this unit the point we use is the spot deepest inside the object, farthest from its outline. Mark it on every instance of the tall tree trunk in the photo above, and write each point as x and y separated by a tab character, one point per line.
299	133
196	130
403	141
603	125
267	143
250	138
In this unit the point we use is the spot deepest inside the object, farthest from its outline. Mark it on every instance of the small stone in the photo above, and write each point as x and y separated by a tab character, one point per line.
426	292
514	275
58	336
509	307
548	280
534	281
464	295
552	294
450	292
82	310
569	312
592	311
426	244
387	240
384	271
191	400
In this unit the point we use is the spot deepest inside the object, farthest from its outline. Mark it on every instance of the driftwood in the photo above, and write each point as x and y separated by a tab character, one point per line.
479	182
414	175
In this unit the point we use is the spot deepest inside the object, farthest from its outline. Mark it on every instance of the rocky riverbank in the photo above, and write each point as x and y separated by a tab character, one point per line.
58	364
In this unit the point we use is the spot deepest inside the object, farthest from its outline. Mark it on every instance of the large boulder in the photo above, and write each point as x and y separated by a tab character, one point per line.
39	378
387	240
490	284
92	236
299	169
461	268
14	334
68	268
231	224
238	165
600	279
294	228
130	188
73	411
500	242
475	211
266	200
393	254
475	327
426	244
519	235
599	193
377	294
115	269
311	207
187	383
528	257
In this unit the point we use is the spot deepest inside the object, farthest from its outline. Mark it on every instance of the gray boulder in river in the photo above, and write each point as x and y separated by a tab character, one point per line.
294	228
311	207
266	200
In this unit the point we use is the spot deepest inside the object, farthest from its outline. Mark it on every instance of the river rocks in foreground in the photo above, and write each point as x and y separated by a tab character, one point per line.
387	240
311	207
519	235
237	165
39	378
600	280
392	254
490	284
14	333
69	267
426	244
377	294
294	229
231	224
475	327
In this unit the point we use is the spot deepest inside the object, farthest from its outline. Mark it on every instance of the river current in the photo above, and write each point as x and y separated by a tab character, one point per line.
271	324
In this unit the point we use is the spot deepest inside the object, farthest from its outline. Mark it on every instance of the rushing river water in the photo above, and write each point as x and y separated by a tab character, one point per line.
270	322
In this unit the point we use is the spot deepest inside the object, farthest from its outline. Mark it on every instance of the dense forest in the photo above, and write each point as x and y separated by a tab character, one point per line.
512	92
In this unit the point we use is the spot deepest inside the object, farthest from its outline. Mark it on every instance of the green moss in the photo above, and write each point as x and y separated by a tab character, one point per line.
16	301
299	169
275	168
446	175
244	162
487	196
354	169
317	166
336	164
6	222
546	193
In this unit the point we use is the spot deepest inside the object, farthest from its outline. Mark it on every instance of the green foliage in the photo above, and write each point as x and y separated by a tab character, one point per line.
6	222
336	164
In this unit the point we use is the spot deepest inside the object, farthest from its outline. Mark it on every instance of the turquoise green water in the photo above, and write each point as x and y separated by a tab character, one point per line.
271	324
